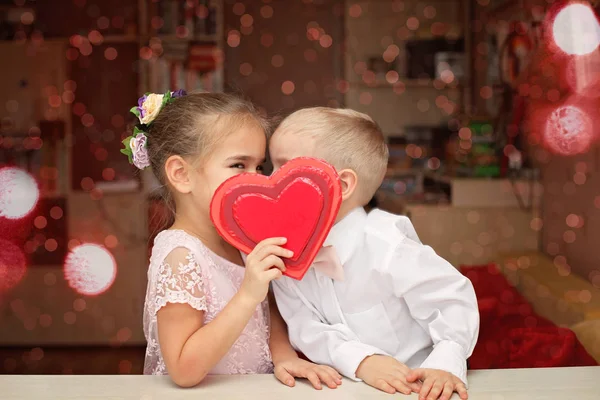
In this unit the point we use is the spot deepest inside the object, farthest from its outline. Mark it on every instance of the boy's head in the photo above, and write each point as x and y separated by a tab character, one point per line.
350	141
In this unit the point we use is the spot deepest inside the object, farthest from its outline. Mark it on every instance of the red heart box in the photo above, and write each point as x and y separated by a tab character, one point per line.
300	202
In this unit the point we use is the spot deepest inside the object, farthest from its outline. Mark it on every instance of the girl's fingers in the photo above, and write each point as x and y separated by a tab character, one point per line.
276	250
329	376
273	273
261	251
314	379
277	241
284	377
332	372
270	262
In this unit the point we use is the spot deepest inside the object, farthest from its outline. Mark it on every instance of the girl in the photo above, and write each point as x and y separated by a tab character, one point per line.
204	312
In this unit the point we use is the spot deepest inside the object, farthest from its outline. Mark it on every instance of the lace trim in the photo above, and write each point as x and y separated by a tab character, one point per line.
180	297
181	285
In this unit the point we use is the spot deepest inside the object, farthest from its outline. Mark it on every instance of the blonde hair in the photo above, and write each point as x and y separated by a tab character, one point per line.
346	139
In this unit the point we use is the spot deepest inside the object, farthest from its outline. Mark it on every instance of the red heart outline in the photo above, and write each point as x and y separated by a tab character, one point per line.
319	173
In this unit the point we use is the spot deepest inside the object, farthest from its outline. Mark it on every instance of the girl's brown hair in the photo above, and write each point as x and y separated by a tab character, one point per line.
191	125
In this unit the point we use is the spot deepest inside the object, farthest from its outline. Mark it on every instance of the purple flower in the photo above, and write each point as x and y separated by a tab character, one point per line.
178	93
141	101
140	151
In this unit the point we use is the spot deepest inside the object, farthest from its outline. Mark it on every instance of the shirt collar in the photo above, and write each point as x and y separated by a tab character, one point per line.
345	233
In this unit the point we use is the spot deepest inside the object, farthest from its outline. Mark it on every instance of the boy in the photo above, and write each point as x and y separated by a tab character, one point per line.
387	310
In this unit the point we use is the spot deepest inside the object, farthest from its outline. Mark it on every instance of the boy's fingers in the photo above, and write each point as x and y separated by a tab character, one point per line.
436	390
448	390
425	389
416	387
415	375
384	386
414	382
401	386
461	389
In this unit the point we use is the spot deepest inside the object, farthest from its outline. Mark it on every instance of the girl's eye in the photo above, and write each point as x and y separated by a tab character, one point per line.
260	168
238	166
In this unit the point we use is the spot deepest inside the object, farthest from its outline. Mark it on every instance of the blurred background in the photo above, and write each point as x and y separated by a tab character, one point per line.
490	107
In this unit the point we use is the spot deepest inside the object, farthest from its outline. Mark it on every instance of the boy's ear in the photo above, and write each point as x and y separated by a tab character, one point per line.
349	181
177	172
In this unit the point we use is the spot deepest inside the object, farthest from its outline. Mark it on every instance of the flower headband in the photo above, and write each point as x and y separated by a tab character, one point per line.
148	108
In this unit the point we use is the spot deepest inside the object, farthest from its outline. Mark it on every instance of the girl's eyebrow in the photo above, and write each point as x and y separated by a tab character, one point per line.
244	157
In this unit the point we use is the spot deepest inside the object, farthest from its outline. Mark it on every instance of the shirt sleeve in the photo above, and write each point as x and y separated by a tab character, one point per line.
179	280
333	345
441	300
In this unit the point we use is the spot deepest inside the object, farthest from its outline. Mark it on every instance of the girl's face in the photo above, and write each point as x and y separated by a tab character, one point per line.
239	152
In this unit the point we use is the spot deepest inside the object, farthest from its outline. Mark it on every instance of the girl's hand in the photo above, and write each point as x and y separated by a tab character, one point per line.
263	265
286	370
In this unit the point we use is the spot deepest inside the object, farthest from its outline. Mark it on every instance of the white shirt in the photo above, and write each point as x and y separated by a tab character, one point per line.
398	298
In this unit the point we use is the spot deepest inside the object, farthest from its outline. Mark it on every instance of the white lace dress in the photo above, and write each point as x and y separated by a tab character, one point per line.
183	270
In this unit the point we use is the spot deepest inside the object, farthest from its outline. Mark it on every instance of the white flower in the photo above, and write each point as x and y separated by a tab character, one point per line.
150	107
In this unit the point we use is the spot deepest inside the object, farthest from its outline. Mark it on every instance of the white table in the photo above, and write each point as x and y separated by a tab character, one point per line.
581	383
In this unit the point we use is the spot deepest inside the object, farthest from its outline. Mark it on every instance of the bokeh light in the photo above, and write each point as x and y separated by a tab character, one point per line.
266	12
576	29
90	269
19	193
581	74
12	265
568	131
288	87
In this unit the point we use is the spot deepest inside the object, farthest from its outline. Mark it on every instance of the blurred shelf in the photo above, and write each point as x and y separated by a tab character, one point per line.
438	177
127	186
53	195
429	2
121	39
501	7
409	83
106	39
455	33
141	38
186	39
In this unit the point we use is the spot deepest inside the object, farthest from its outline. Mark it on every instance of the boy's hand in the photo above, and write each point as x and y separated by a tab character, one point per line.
437	384
286	370
387	374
